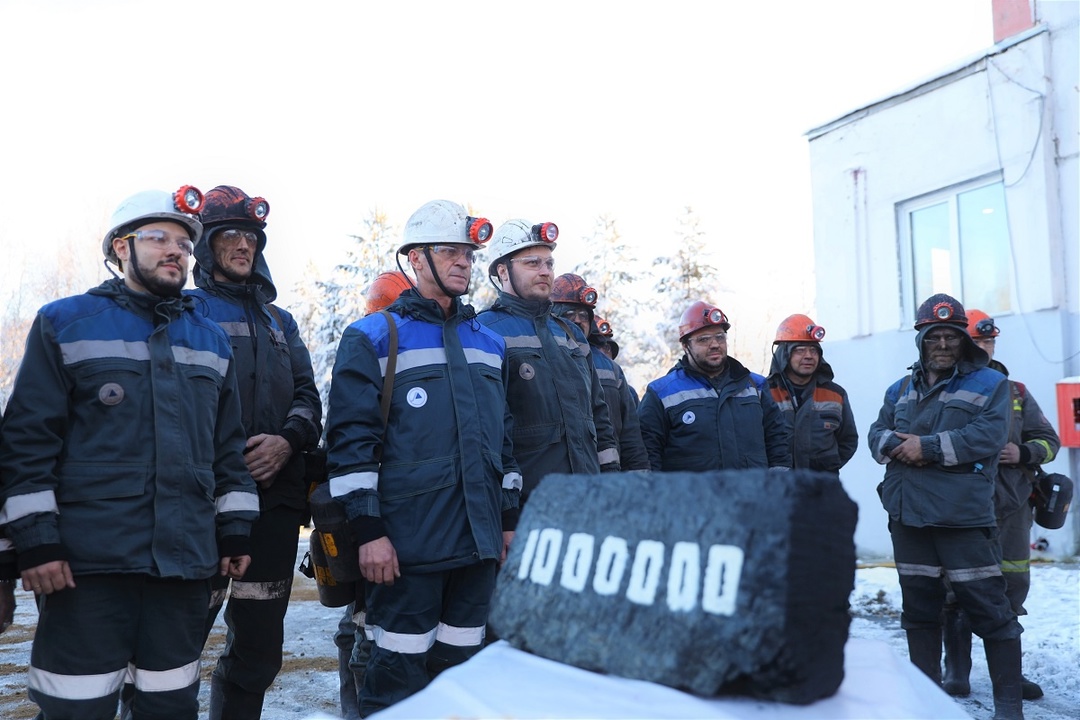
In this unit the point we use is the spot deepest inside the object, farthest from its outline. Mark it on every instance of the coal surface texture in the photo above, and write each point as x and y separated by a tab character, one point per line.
731	582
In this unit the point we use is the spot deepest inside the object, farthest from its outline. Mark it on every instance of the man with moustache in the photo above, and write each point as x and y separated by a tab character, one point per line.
709	412
123	477
939	433
561	421
431	496
282	416
824	436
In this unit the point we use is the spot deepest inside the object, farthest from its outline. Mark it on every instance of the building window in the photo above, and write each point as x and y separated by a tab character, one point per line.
956	241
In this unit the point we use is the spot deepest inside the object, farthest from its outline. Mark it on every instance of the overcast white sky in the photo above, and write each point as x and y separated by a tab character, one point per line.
555	111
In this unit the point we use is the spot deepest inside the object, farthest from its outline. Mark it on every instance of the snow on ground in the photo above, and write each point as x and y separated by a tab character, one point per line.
307	687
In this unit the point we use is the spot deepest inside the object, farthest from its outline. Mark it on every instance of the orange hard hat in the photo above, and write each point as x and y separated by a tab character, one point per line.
571	288
699	315
384	290
981	325
799	328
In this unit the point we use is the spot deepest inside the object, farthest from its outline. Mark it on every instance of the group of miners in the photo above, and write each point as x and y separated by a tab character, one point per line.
152	457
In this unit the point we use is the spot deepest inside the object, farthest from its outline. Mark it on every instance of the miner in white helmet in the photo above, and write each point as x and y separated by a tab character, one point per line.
561	420
124	483
432	494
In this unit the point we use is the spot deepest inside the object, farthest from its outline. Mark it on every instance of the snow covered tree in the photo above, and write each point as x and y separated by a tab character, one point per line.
621	280
679	279
327	306
75	268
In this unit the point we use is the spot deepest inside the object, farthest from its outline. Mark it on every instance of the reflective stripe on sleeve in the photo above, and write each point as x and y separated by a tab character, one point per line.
611	455
459	636
511	481
344	484
18	506
165	680
948	452
407	643
238	501
76	687
1045	446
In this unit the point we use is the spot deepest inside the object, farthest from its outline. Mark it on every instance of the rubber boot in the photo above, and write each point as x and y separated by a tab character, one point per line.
957	653
229	701
1031	689
1003	660
924	649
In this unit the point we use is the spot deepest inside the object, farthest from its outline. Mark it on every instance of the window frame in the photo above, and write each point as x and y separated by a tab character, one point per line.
950	194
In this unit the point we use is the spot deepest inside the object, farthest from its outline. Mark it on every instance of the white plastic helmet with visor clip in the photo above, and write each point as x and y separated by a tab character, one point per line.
441	222
515	235
149	206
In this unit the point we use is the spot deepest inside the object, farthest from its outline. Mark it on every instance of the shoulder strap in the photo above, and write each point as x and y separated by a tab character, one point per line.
277	315
569	333
391	366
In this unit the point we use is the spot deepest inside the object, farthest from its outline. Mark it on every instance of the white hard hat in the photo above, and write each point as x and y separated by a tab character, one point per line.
514	235
155	205
441	222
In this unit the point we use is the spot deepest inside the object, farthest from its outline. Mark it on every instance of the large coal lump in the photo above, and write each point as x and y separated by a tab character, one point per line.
714	583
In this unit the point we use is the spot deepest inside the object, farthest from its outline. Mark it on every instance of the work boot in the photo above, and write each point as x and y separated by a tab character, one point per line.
924	649
229	701
1003	660
1031	690
957	653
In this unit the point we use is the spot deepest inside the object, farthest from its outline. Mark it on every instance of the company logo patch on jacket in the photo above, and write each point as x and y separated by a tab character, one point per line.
526	371
111	394
416	397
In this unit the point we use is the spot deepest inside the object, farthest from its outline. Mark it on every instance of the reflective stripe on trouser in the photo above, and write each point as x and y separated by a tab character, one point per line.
421	625
109	629
255	613
971	559
1014	537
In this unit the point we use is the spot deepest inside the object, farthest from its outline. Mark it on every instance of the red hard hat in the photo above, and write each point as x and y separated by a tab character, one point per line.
570	288
799	328
384	290
700	315
981	325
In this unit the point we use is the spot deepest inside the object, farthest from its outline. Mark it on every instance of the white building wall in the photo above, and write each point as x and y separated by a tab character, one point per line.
1012	112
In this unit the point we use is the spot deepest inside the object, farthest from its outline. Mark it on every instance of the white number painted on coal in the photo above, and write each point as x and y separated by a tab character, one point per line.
718	590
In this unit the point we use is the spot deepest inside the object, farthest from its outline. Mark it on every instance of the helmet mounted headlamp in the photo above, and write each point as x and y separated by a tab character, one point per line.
480	229
547	232
986	328
257	209
188	199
